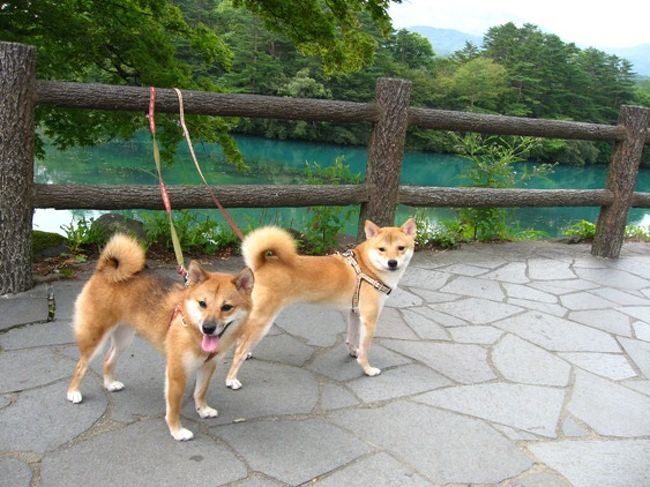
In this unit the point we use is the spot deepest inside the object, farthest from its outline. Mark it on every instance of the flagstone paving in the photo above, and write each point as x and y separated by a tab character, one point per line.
518	364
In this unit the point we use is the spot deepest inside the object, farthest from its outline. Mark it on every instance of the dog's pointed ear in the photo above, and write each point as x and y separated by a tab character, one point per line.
195	273
244	280
409	227
371	229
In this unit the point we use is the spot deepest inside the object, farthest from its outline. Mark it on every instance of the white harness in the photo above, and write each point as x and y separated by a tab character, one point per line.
362	276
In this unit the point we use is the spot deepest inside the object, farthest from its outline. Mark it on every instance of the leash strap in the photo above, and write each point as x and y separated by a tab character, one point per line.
216	201
361	277
178	252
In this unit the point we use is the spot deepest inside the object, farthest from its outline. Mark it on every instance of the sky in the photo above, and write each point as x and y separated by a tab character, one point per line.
624	23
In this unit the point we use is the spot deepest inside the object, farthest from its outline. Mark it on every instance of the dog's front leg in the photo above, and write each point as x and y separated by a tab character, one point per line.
366	331
175	381
203	376
352	339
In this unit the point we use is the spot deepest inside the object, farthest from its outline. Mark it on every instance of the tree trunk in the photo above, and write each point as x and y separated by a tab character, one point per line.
17	95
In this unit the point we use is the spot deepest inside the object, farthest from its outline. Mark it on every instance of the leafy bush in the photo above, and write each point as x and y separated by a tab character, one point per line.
579	231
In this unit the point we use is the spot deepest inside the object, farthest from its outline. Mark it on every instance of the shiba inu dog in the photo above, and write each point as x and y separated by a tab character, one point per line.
191	325
359	282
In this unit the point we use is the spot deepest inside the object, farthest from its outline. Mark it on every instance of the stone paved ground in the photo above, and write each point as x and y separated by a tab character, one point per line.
522	364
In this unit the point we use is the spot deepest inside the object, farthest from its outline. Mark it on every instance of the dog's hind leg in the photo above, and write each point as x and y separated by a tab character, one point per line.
352	338
121	338
89	339
203	376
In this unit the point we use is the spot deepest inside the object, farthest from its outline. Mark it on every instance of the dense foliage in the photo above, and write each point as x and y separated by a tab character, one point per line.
309	48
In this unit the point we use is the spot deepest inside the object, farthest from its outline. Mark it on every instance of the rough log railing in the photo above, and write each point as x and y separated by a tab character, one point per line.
378	196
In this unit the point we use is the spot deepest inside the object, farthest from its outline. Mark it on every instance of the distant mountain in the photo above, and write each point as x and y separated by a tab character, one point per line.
639	56
446	41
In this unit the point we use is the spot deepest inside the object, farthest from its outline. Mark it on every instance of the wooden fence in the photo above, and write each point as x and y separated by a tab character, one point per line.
378	196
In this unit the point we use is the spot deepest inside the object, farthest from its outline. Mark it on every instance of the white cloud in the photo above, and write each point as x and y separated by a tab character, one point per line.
587	23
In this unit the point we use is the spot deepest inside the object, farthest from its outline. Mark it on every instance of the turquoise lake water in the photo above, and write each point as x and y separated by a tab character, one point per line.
283	162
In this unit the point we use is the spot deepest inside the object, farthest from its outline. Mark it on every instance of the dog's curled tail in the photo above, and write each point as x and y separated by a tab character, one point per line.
265	240
122	257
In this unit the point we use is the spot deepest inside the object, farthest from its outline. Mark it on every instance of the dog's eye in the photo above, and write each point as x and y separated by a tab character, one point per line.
203	304
382	249
226	307
400	248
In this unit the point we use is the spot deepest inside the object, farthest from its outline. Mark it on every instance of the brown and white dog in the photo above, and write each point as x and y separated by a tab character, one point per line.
283	277
190	325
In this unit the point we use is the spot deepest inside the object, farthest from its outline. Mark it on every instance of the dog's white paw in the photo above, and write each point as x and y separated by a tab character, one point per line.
207	412
249	355
113	386
371	371
233	384
74	397
354	353
182	434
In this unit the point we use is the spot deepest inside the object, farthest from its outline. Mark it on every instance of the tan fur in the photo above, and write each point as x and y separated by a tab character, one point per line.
121	298
283	277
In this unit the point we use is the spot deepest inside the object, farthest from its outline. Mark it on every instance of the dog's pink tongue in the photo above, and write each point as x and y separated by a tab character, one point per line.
209	344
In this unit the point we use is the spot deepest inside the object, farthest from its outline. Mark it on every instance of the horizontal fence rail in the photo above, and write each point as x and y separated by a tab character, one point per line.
136	99
132	98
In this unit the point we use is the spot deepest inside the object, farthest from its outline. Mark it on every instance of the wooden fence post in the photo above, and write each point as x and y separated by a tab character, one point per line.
623	170
17	100
385	152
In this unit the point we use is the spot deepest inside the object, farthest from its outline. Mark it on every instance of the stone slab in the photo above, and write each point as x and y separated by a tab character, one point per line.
642	386
397	382
642	330
16	310
549	270
14	473
552	309
556	334
620	297
608	408
269	389
472	286
143	453
639	312
38	335
638	351
611	366
434	296
465	270
519	291
337	364
520	361
391	324
318	325
455	449
283	349
400	298
443	319
598	463
613	278
478	334
462	363
514	272
380	470
583	300
424	327
564	287
530	408
292	451
25	369
424	278
478	311
540	479
334	396
571	427
52	421
608	320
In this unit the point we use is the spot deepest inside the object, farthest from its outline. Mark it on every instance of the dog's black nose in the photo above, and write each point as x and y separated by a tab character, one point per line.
208	328
392	264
